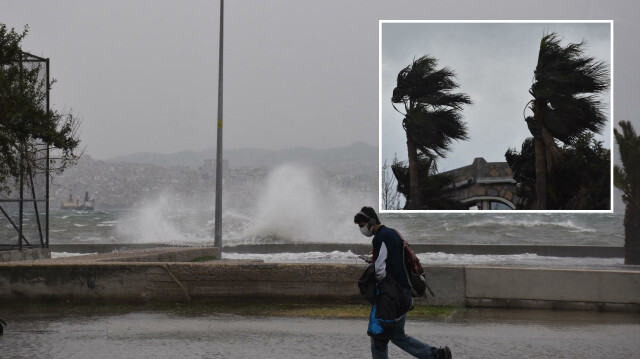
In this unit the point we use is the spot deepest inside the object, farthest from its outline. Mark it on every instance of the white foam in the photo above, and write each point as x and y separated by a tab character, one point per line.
437	258
307	257
67	254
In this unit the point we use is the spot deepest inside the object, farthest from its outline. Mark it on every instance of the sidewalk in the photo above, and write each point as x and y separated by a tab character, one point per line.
179	333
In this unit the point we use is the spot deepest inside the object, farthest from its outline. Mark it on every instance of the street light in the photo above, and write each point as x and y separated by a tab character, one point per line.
218	214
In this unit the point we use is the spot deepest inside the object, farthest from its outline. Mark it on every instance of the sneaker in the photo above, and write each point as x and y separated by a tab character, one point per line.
444	353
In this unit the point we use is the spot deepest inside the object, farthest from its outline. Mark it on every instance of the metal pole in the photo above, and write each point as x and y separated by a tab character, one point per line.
21	204
47	170
218	219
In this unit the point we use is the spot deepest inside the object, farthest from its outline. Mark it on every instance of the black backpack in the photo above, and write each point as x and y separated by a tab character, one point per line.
416	276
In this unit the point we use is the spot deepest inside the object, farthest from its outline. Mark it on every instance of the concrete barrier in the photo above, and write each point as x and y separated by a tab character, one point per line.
270	281
183	254
552	288
25	254
96	278
89	283
180	282
448	285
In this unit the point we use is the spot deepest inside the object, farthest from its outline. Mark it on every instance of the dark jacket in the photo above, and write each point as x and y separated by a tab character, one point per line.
367	284
393	253
390	300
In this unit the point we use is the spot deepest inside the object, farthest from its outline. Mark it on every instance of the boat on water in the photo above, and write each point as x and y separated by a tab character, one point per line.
75	204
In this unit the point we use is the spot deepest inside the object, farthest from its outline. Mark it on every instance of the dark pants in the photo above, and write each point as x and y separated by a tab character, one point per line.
410	345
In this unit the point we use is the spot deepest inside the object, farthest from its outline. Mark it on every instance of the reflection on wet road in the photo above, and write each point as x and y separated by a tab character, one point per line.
471	333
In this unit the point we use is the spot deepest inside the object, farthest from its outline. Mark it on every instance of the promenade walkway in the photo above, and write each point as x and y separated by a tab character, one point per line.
72	332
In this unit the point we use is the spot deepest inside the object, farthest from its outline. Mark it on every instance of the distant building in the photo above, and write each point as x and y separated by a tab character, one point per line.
208	171
208	165
485	185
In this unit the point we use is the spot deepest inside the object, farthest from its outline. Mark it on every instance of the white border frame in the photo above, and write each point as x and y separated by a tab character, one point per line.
611	109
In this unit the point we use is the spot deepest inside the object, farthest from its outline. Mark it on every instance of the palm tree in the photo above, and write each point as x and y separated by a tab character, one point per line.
582	181
627	179
432	118
437	189
565	103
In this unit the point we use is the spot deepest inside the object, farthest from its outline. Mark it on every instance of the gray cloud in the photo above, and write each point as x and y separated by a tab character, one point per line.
143	75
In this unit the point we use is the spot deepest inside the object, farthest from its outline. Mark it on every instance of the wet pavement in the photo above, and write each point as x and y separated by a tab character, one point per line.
47	332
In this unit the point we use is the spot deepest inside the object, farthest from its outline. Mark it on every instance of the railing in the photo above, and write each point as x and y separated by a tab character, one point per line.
24	206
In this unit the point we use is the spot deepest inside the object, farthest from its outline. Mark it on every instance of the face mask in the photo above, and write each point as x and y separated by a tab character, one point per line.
366	231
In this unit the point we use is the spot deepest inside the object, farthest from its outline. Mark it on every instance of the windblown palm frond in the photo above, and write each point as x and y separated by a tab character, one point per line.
432	111
434	131
565	89
421	84
432	118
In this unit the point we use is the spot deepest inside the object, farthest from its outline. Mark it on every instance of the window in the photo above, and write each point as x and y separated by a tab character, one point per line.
499	206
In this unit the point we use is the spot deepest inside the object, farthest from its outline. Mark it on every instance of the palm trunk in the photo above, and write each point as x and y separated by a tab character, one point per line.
541	174
413	202
541	160
632	235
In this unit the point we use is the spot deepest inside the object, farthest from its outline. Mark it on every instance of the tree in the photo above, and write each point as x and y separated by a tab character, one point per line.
582	181
432	118
388	187
627	179
25	120
565	103
523	164
437	189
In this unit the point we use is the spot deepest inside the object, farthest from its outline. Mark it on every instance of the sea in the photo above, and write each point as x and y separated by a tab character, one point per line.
298	204
158	223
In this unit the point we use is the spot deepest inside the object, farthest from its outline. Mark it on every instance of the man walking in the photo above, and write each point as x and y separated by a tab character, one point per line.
393	290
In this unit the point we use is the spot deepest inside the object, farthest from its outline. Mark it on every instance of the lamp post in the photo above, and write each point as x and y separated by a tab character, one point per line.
218	214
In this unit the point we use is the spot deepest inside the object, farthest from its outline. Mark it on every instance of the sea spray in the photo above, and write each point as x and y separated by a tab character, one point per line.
294	203
288	209
166	218
298	206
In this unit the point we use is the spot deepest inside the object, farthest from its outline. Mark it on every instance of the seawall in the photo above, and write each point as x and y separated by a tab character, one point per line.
166	274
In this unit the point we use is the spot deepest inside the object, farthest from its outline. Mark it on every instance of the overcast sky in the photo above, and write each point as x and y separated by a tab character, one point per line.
143	74
494	64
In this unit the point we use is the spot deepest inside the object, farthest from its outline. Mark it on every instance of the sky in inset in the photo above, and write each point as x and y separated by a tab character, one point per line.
494	65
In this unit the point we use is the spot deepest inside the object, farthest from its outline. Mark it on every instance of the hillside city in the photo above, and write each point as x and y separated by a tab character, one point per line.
120	184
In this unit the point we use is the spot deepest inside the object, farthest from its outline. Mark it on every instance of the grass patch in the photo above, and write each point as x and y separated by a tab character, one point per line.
431	312
233	307
309	310
205	259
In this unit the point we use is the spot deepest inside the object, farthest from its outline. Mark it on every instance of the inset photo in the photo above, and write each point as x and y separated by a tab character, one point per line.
485	115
